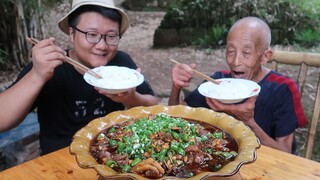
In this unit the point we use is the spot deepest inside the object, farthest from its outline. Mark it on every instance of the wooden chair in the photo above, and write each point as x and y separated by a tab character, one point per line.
304	61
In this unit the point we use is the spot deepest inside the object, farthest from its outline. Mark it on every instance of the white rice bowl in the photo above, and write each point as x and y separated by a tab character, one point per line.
115	79
230	90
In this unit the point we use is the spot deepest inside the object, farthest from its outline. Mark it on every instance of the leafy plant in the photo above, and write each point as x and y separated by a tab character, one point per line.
214	38
287	19
176	17
308	38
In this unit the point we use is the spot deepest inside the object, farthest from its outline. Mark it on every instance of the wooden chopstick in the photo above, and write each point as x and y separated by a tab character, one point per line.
72	61
200	74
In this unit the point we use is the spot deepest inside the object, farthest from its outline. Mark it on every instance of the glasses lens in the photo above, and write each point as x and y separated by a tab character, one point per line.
93	37
112	40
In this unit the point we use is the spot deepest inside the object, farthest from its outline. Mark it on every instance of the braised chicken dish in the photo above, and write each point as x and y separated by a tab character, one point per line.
161	145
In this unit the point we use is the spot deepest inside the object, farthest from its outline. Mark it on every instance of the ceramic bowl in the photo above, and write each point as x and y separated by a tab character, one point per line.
245	138
230	90
115	79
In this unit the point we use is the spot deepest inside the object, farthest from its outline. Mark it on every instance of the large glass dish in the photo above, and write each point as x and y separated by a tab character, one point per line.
246	139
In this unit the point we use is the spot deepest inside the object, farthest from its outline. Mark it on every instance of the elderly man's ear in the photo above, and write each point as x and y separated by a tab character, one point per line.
267	55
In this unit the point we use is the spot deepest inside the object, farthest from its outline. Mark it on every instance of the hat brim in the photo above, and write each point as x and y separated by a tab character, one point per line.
64	24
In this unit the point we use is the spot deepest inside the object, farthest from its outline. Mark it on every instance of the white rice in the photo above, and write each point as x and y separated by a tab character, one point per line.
229	90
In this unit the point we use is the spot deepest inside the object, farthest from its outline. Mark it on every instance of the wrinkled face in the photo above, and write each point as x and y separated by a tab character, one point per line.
243	55
94	55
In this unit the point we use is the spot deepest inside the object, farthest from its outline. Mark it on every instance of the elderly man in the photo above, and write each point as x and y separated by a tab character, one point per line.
276	112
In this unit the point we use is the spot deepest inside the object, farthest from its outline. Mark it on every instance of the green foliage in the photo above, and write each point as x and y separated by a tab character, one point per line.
308	38
289	20
173	18
197	13
214	37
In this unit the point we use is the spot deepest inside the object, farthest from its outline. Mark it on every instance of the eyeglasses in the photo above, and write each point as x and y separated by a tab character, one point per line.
95	37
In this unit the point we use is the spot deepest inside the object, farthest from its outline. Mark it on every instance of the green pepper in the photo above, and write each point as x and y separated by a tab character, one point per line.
227	155
125	139
112	130
188	174
111	163
101	137
153	154
185	137
218	135
210	135
174	146
193	129
127	149
233	153
170	153
135	161
204	138
113	142
191	143
146	133
126	168
183	145
181	151
148	145
121	146
216	153
215	167
175	135
162	154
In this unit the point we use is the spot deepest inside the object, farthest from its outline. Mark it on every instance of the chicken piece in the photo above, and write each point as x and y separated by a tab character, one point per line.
150	168
121	159
192	149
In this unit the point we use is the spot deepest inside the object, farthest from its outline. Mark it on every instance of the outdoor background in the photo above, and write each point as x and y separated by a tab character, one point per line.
155	63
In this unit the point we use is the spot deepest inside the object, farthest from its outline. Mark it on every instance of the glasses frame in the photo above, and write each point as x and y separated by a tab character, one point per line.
104	36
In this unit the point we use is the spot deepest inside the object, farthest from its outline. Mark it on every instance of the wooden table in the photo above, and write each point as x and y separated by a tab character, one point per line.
270	164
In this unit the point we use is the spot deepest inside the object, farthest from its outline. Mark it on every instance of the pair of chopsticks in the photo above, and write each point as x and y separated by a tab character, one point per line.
71	61
200	74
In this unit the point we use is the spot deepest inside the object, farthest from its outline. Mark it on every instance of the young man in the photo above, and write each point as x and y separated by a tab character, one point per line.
65	102
276	112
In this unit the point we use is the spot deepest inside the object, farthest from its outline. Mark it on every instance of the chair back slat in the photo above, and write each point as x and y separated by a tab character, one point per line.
314	124
274	65
302	76
303	60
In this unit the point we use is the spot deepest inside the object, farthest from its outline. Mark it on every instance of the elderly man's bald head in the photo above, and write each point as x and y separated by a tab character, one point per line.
257	27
